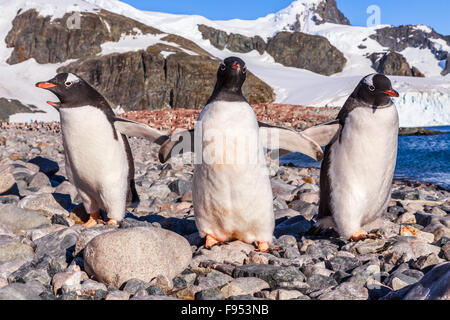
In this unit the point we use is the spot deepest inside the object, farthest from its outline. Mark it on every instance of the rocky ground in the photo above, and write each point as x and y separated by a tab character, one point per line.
46	254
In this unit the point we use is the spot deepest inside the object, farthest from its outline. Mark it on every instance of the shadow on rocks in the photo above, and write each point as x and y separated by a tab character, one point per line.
64	200
46	166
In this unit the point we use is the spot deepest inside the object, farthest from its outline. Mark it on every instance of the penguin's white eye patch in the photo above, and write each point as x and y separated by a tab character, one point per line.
68	83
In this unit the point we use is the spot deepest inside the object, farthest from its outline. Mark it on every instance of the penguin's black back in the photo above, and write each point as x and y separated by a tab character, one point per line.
132	195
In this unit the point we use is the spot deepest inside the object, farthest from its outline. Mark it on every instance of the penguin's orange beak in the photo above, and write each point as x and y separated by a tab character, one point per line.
236	66
54	104
45	85
392	93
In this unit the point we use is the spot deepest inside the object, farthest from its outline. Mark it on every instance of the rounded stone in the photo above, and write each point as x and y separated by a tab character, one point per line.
113	258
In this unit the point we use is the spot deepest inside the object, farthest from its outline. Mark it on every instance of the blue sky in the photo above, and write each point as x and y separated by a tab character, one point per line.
434	13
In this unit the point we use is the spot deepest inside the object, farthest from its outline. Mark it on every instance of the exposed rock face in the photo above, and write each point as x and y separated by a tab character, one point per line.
147	79
35	36
234	42
393	64
12	106
292	49
305	51
153	82
402	37
329	12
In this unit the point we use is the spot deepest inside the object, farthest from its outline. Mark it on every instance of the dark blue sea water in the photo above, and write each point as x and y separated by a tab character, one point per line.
422	158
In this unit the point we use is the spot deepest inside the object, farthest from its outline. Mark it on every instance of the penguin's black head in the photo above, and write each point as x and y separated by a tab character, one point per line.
231	74
375	89
69	88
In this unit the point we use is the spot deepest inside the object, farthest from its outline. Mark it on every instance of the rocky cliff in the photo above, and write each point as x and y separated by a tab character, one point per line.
182	77
12	106
300	50
47	41
328	11
394	64
291	49
412	36
231	41
148	80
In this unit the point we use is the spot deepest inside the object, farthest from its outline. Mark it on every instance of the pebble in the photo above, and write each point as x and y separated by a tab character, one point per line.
57	243
67	279
161	191
22	291
277	277
346	291
7	180
12	250
446	251
406	230
233	252
47	203
132	286
343	263
318	282
117	295
244	286
17	219
426	261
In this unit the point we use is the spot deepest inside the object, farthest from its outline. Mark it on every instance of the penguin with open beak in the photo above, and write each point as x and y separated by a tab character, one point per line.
98	156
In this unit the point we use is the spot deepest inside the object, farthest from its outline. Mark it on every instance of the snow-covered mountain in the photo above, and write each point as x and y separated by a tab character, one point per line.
324	76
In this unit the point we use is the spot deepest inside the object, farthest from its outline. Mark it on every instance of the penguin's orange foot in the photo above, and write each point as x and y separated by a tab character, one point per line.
210	241
362	235
93	219
263	246
112	222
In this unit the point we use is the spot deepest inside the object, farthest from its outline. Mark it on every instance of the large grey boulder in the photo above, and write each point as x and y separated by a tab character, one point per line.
144	253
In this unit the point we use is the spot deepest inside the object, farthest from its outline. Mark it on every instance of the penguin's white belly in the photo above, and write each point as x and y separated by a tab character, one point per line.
362	167
97	160
231	187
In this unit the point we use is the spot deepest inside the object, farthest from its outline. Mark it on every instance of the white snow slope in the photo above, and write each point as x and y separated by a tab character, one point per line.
423	101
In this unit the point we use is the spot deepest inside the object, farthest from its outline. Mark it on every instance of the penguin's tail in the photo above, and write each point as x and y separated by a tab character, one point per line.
133	197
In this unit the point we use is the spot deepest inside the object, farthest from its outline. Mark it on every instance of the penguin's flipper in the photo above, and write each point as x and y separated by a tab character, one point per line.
137	129
288	141
324	133
181	141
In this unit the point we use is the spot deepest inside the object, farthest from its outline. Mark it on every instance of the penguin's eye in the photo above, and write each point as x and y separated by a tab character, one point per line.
372	88
68	84
222	66
244	70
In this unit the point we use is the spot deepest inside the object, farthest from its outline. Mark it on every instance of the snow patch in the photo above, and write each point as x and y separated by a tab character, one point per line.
424	60
165	54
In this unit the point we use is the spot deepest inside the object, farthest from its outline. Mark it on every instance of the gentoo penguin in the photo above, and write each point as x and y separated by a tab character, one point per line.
98	156
358	167
232	192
